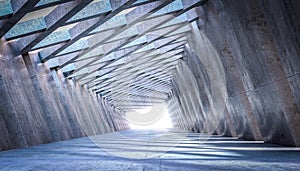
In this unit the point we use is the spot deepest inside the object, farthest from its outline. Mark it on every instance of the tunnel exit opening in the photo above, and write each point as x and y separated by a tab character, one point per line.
150	117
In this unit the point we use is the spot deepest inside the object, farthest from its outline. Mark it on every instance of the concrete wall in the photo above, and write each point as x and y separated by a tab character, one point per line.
39	105
258	44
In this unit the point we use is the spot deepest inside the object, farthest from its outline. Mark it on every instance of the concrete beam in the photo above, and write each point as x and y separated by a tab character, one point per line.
169	31
124	86
55	19
132	18
132	100
145	80
48	3
19	8
84	28
5	9
135	89
146	7
155	79
141	92
110	95
146	75
129	95
151	67
167	53
140	40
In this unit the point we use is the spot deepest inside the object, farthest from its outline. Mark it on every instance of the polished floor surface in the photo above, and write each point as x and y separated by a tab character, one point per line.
141	150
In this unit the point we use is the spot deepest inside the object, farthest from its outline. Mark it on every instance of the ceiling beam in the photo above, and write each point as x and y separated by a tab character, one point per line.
83	28
146	8
20	9
110	63
167	54
60	15
164	51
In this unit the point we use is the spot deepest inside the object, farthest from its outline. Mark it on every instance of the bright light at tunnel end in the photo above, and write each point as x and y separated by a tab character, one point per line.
154	126
143	110
159	121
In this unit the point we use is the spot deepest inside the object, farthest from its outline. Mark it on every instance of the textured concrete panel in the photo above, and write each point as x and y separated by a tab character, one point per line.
257	45
39	105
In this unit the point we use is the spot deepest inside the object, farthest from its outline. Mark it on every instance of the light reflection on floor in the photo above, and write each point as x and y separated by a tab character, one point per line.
153	150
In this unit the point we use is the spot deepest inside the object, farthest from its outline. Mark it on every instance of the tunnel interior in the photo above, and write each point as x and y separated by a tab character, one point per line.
76	68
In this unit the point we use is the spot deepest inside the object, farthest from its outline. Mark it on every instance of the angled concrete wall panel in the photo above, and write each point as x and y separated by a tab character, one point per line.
257	44
39	105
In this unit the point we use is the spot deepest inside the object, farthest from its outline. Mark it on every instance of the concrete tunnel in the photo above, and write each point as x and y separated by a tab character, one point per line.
76	74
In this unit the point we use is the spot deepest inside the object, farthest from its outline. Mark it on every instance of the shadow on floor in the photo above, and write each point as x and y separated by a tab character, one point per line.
153	150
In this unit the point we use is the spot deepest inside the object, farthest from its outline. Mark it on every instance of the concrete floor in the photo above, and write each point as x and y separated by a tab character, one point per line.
152	150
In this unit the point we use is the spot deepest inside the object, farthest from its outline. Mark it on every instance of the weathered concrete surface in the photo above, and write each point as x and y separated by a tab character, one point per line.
214	153
256	44
39	105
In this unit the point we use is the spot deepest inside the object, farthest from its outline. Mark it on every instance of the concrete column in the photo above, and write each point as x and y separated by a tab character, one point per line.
67	110
47	114
245	124
12	134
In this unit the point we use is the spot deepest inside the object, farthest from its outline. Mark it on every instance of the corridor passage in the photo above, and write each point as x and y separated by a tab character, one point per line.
80	80
142	150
